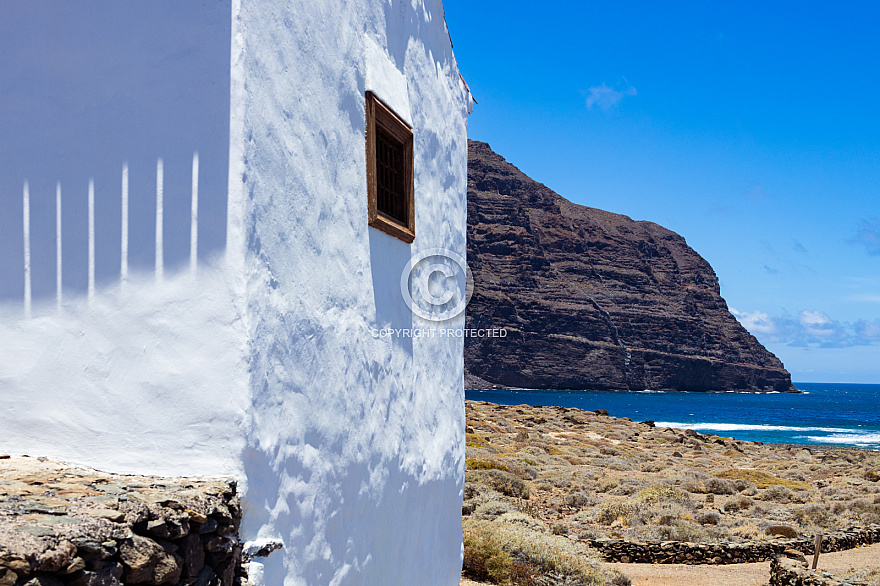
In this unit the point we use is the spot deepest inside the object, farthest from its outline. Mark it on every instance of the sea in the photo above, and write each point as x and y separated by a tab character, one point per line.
822	414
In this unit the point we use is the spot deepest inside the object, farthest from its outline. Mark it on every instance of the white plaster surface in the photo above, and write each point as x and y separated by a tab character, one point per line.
149	379
355	453
349	448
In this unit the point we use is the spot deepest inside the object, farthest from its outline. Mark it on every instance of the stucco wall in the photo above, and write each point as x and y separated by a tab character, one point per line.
259	360
121	367
354	444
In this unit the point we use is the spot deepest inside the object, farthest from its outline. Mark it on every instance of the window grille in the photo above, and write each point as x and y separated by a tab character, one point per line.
389	171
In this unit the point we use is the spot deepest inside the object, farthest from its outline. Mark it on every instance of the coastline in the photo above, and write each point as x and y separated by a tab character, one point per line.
823	414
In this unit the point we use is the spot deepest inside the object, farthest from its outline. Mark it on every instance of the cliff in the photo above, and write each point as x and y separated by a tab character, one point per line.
594	300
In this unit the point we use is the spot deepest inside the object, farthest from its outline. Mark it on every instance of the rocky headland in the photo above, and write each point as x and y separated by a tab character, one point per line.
594	300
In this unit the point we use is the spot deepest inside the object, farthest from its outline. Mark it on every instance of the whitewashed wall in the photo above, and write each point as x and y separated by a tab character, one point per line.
355	445
122	344
258	360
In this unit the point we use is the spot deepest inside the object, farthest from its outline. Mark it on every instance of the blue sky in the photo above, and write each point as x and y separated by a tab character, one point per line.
750	129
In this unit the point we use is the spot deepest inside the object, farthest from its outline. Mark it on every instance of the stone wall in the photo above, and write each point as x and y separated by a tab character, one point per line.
678	552
61	525
792	572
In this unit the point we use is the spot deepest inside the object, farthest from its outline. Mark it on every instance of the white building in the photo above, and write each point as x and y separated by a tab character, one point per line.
192	281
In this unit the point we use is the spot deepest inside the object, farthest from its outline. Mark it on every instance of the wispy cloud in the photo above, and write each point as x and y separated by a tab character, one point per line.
866	297
757	193
809	328
606	97
798	247
868	235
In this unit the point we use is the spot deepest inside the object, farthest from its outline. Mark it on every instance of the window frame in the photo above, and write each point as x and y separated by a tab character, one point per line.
380	115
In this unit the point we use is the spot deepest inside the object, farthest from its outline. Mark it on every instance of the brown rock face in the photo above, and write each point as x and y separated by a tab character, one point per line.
594	300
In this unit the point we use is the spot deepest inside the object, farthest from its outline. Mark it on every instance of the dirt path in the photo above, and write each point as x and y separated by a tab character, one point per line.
734	574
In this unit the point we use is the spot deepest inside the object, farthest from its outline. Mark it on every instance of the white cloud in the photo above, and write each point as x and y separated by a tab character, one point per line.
756	321
606	97
809	328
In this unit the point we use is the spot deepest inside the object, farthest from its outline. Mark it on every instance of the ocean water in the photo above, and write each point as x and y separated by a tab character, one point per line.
830	414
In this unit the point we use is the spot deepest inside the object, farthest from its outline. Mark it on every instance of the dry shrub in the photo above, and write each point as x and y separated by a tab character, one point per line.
480	464
780	494
868	577
813	515
731	507
627	486
534	556
681	530
748	531
708	518
506	483
518	518
484	558
866	513
607	484
608	513
737	504
781	531
476	441
579	500
743	485
492	509
614	463
663	493
761	479
709	486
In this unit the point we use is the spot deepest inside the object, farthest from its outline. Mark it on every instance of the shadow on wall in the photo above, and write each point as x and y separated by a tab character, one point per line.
114	143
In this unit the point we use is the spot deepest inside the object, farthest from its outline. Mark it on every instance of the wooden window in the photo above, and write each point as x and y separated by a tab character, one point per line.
390	186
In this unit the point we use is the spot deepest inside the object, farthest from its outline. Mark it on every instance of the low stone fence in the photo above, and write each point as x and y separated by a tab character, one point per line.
66	526
793	572
678	552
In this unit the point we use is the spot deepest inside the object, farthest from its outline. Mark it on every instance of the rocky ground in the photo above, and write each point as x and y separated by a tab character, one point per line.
64	525
582	475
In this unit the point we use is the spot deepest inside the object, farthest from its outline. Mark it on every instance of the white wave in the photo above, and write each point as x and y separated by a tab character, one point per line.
855	439
747	427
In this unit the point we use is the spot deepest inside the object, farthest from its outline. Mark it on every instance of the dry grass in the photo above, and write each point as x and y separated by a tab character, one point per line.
762	479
